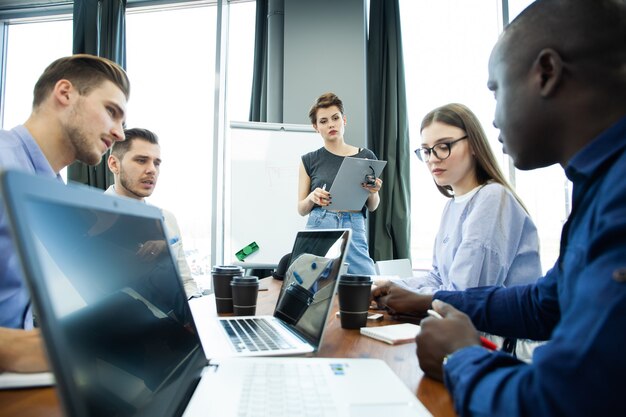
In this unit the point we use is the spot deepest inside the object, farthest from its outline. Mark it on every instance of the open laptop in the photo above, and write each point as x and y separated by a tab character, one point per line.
119	333
301	313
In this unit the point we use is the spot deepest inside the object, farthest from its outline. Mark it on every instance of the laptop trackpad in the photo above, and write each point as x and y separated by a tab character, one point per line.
378	410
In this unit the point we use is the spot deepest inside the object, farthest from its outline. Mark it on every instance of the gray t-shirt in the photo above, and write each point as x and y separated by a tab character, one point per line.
322	166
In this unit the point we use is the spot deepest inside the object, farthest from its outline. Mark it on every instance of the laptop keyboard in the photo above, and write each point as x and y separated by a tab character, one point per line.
254	335
278	390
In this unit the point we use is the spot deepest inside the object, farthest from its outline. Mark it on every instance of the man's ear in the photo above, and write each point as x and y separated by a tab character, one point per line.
62	91
548	68
315	127
113	163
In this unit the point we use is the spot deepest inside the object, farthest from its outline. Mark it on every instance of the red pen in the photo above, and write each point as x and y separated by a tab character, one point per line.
486	343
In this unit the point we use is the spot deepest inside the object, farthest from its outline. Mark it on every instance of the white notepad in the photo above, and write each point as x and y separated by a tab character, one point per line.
9	380
393	333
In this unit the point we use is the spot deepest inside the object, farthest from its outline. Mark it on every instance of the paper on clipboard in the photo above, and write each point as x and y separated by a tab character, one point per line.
346	191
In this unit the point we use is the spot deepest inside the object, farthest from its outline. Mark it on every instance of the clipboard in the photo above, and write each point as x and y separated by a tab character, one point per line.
346	191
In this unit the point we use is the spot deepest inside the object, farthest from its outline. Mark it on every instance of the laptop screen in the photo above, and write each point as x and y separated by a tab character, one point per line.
310	281
117	325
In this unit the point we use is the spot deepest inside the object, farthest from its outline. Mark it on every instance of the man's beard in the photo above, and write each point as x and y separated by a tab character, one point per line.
127	184
83	150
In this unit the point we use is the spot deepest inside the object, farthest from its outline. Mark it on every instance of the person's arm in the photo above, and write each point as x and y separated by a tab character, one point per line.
176	244
373	200
583	362
308	199
22	351
398	299
523	311
426	283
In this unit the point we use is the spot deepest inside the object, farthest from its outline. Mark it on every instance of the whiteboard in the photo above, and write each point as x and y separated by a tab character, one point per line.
264	165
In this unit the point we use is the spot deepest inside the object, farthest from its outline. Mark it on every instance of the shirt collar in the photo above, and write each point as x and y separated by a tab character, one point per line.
40	163
593	156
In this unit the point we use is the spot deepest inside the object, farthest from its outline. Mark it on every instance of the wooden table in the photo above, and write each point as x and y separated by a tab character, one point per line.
337	343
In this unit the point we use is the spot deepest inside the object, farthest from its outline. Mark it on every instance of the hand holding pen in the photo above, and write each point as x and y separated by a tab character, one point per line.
321	197
441	337
486	343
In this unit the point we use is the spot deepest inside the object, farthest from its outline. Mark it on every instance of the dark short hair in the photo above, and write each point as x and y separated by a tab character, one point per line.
84	71
119	149
325	101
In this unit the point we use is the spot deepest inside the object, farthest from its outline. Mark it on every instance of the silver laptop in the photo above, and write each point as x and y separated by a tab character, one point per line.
302	309
121	338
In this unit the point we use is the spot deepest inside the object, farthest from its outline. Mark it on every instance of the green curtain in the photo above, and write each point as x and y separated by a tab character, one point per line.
258	98
390	225
99	29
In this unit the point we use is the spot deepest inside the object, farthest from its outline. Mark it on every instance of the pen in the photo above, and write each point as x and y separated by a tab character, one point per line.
324	187
486	343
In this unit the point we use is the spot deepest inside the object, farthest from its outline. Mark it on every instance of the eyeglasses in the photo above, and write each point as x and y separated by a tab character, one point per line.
440	150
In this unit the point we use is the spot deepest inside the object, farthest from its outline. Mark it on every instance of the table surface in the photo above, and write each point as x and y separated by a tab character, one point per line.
337	343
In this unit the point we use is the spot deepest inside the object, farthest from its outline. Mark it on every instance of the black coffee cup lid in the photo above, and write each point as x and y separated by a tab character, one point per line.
227	269
355	279
246	280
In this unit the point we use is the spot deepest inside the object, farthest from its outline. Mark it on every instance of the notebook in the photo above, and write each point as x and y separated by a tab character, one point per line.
119	332
346	190
393	333
302	308
10	380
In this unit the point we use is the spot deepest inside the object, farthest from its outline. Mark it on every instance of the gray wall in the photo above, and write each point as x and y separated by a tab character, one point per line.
325	47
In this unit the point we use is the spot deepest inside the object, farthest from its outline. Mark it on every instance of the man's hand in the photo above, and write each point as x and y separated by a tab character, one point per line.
22	351
151	249
398	299
441	337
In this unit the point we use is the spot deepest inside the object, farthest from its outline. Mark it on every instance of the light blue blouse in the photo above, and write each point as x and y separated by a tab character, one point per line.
485	238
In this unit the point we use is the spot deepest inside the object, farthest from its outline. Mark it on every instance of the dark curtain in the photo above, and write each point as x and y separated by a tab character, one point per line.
99	29
258	100
390	225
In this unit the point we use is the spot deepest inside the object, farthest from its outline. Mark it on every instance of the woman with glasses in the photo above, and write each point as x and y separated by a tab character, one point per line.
318	170
486	236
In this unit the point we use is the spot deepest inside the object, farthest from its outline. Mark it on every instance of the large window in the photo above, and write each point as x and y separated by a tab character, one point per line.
171	65
31	46
171	53
171	62
446	55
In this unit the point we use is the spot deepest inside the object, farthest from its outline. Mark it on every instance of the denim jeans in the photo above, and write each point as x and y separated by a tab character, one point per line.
358	259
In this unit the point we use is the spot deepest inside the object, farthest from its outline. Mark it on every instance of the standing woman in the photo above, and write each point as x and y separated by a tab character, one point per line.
317	173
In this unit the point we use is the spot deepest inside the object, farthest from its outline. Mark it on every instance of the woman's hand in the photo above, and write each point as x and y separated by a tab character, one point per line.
320	196
373	188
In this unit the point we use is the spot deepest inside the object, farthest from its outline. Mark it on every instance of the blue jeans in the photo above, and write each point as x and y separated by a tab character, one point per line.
358	258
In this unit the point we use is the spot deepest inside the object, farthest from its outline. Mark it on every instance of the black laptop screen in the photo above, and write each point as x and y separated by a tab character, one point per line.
310	281
121	324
